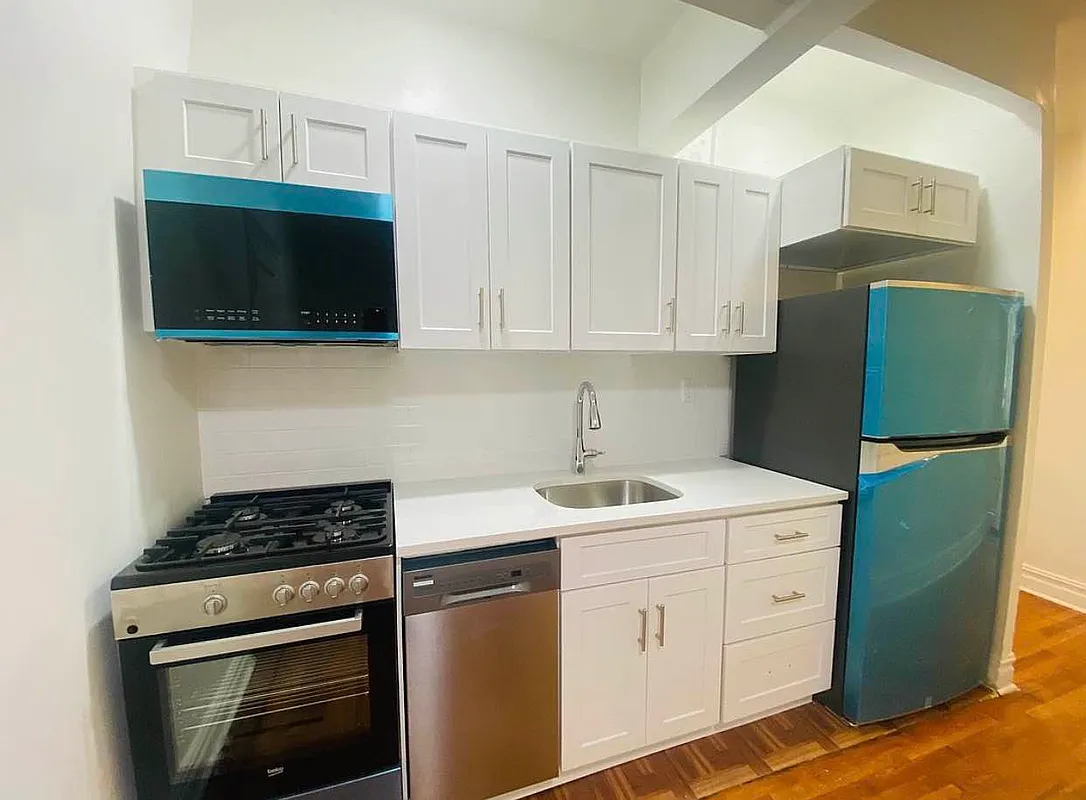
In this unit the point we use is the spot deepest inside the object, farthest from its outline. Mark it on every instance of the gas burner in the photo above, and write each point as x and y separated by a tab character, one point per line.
333	532
339	508
219	544
249	514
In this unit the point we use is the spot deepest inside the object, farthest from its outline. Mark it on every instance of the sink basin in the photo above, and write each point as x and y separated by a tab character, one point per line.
605	493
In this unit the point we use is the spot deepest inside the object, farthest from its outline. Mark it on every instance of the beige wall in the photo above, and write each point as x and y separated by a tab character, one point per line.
1054	554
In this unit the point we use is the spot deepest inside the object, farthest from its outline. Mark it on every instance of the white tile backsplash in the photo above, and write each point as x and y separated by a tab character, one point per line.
285	416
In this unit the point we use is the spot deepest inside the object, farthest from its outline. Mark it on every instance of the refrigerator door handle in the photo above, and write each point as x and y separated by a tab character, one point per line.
876	457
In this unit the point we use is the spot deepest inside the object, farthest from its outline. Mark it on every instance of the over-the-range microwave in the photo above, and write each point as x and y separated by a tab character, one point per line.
259	261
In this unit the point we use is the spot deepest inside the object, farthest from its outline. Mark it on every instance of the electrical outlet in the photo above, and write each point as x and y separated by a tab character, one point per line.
687	390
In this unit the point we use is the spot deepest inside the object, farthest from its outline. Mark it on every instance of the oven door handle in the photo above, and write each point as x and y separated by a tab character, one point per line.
162	653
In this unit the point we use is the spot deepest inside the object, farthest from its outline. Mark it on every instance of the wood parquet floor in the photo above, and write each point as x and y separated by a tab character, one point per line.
1030	745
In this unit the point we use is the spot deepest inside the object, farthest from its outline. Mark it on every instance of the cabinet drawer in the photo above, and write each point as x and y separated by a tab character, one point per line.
779	594
603	558
783	533
768	672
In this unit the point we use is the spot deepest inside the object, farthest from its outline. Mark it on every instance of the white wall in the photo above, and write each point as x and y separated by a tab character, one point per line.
97	422
371	52
283	416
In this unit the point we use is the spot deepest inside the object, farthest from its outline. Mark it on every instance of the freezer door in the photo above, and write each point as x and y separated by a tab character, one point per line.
925	576
939	361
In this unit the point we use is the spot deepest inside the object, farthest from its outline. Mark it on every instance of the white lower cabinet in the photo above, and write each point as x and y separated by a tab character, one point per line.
774	670
640	663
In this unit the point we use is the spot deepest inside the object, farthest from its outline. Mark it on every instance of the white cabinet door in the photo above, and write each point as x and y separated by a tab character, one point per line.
949	205
603	671
529	242
686	613
335	144
623	256
756	231
881	192
441	234
703	295
193	125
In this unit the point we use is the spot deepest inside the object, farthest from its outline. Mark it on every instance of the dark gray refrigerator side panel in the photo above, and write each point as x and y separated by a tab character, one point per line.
799	411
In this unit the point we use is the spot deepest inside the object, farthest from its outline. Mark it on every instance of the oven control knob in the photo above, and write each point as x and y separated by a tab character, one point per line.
359	583
309	590
214	604
334	587
283	594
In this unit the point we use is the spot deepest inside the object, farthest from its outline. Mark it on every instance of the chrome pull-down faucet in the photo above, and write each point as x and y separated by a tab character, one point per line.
580	454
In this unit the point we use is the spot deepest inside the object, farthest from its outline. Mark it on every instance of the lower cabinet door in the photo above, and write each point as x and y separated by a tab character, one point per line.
604	668
686	621
764	673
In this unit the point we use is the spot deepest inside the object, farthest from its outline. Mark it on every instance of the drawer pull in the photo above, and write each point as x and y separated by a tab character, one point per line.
788	598
791	537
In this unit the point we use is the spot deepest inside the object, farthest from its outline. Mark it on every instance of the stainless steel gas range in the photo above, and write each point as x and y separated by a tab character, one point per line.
258	649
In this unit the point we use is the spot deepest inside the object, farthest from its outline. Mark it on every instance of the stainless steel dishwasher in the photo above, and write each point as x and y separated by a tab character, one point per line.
481	661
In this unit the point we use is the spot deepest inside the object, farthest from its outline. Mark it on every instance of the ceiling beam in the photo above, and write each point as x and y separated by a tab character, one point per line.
708	65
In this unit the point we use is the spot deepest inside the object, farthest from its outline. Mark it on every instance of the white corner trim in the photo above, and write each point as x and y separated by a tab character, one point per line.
1065	591
1003	682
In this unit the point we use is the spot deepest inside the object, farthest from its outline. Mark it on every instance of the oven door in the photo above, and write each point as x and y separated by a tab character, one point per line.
306	706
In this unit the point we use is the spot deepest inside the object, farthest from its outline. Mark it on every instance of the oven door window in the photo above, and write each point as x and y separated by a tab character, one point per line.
272	721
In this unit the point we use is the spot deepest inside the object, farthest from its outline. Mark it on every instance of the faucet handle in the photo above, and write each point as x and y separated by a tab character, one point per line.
592	453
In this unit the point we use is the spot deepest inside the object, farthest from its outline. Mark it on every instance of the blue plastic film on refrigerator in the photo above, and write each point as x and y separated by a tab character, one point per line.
925	578
939	362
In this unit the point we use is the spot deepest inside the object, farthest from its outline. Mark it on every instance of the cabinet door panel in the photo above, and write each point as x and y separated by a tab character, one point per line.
624	229
441	234
881	192
604	667
208	127
755	264
687	613
704	259
335	144
529	241
949	205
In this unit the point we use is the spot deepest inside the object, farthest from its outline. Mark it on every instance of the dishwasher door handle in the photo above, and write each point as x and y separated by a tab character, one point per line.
455	598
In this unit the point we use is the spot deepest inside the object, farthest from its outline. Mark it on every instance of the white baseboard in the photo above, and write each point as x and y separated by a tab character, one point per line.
1003	681
1065	591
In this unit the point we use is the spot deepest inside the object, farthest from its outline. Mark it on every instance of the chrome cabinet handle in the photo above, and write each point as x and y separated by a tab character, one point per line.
660	624
740	309
726	314
501	308
163	653
932	186
481	313
919	186
788	598
790	537
670	306
644	612
293	140
263	135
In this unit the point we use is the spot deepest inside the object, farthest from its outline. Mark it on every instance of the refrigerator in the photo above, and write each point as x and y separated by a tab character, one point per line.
900	393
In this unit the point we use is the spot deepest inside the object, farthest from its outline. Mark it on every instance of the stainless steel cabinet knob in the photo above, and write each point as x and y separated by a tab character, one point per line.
359	583
283	594
309	590
214	604
334	587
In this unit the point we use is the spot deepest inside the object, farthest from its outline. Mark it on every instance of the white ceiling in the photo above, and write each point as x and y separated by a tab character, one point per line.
627	28
832	80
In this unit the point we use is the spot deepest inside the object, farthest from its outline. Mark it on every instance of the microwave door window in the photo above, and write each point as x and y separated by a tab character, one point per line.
195	252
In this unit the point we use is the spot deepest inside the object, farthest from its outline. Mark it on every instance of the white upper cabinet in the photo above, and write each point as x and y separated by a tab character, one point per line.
335	144
193	125
703	296
529	242
604	668
624	217
882	192
949	204
755	264
687	615
441	233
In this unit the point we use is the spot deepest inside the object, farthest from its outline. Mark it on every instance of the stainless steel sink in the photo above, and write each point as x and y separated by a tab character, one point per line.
604	493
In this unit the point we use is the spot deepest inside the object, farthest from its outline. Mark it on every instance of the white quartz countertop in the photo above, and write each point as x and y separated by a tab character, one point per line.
446	516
